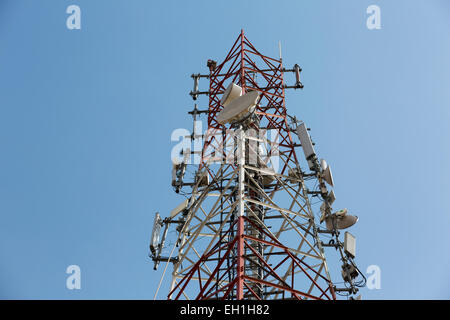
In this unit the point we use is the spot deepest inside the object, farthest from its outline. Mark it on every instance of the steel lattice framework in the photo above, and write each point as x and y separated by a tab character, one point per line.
249	230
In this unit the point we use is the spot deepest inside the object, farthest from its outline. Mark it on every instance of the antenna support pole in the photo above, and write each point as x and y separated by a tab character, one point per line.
240	224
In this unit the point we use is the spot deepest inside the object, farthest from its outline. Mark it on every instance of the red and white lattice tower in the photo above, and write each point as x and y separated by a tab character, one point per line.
248	229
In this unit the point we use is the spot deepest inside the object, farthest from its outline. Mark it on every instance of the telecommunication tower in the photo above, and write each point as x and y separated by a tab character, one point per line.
254	217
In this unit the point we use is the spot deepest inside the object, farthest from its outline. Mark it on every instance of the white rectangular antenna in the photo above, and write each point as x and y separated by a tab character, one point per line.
155	233
179	208
305	140
331	197
279	48
350	244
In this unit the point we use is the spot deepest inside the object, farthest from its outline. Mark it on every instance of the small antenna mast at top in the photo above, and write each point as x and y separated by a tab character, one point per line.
279	48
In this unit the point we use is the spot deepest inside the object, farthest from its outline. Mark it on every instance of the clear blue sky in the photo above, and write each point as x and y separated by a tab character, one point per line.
86	117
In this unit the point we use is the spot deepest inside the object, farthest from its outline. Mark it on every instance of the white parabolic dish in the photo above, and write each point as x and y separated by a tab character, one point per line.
238	108
342	222
232	92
